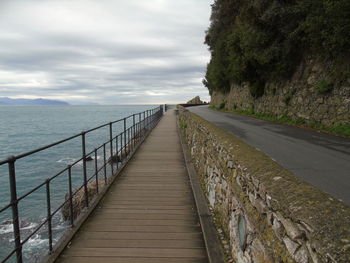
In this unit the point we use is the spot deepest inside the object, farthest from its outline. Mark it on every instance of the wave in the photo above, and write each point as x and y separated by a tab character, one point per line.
35	242
7	227
69	160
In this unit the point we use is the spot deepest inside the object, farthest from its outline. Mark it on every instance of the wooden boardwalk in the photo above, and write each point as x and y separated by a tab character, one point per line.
149	214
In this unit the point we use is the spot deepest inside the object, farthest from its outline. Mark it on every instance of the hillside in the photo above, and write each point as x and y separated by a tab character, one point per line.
31	102
282	58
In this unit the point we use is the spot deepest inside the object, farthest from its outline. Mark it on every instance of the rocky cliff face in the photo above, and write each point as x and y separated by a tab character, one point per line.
309	95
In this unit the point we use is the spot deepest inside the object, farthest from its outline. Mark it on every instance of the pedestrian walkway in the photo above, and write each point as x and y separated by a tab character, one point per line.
149	214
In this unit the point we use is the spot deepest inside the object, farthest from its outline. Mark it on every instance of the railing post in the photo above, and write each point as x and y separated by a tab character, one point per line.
49	218
124	135
96	170
14	202
117	153
111	146
84	168
104	163
70	196
144	120
133	132
139	127
152	118
121	148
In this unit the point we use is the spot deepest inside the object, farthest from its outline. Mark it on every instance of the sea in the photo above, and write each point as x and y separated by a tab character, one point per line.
25	128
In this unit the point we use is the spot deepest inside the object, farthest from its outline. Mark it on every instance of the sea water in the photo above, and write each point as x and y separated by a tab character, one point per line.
25	128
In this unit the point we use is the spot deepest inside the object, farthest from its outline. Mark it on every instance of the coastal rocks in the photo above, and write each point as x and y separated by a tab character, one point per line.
88	158
195	100
126	150
78	199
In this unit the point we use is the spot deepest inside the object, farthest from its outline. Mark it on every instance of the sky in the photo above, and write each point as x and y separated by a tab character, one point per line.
105	51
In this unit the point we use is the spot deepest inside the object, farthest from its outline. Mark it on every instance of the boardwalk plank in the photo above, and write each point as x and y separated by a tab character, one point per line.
139	252
149	214
91	259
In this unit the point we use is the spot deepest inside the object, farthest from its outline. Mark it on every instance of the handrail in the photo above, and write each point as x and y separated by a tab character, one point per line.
120	147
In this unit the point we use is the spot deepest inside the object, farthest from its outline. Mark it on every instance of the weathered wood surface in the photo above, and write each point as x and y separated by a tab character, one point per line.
149	214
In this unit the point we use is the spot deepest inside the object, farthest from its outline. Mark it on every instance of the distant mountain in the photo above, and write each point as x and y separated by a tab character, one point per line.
29	102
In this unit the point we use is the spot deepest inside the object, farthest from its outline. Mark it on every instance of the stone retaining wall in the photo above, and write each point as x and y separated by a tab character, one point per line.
281	218
297	101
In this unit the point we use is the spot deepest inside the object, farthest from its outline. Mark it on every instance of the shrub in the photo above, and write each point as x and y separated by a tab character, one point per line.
324	86
222	105
287	99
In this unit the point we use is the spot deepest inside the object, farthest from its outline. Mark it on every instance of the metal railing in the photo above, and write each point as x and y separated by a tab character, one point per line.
120	146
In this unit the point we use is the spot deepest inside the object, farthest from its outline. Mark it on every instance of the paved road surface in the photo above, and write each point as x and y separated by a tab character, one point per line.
319	159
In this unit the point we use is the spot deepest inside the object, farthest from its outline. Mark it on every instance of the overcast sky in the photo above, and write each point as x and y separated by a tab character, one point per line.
104	51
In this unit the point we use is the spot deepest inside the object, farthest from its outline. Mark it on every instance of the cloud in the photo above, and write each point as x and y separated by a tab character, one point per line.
110	52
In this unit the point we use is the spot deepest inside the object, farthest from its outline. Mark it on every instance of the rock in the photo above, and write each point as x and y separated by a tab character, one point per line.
292	231
230	164
78	199
260	205
301	256
88	158
121	155
195	100
312	253
277	228
290	245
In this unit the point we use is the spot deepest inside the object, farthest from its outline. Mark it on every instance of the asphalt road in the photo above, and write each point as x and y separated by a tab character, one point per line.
320	159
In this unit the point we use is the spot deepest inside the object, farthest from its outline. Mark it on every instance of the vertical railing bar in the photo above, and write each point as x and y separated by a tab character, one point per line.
148	119
125	136
133	131
129	140
96	171
111	146
139	132
49	218
14	202
144	120
70	196
117	152
121	148
152	118
84	169
104	163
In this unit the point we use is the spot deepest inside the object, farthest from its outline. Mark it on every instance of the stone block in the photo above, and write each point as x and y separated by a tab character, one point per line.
290	245
292	230
302	255
230	164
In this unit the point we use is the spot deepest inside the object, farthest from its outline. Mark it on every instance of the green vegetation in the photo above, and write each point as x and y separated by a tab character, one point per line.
287	99
222	105
323	86
343	129
183	125
260	41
